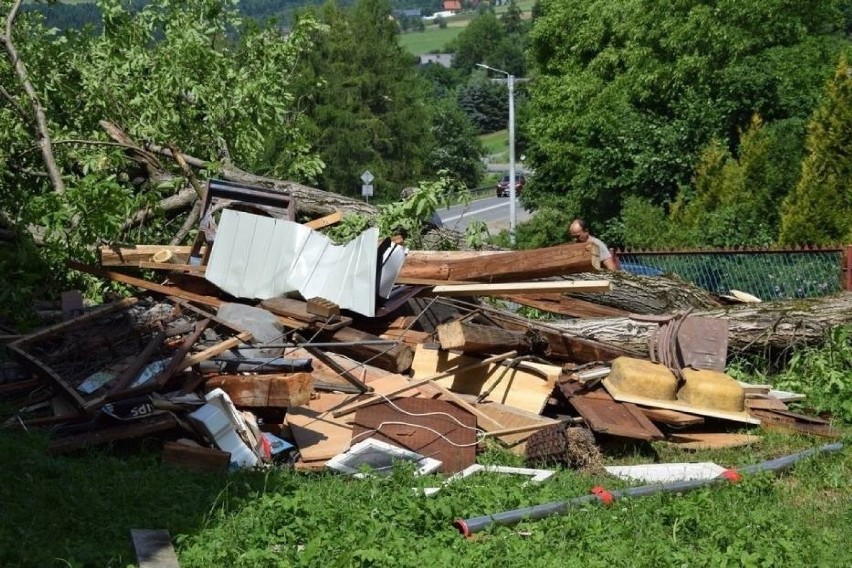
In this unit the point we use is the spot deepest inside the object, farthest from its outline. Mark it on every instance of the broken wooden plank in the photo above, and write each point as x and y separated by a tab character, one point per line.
145	285
324	222
567	306
797	423
764	403
112	255
474	338
427	380
520	387
512	418
123	379
268	390
154	548
712	440
326	309
136	429
559	286
671	417
615	418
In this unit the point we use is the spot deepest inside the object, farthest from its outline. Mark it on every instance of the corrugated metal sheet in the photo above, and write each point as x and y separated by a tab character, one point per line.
261	257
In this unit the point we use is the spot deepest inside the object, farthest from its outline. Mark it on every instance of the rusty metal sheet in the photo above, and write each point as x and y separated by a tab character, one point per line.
402	422
702	343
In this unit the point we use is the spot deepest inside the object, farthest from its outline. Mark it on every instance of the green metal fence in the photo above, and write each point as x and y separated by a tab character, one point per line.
768	274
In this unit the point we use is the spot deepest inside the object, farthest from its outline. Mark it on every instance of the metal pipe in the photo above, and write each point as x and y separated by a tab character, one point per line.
476	524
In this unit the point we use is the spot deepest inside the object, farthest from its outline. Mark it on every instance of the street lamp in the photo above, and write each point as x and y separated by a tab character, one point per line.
513	214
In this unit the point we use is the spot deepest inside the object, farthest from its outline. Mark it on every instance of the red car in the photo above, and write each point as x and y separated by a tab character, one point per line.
503	185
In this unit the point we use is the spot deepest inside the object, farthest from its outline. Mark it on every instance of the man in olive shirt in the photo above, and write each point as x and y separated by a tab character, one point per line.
579	231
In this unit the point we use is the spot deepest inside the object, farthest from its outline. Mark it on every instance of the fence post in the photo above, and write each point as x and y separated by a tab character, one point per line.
846	269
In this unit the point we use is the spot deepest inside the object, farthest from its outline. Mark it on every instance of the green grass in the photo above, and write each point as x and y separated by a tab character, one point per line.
496	145
79	511
433	39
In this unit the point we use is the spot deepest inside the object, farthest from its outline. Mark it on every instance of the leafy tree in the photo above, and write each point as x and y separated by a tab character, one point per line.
485	40
736	199
630	93
457	148
171	73
512	19
364	101
642	224
819	210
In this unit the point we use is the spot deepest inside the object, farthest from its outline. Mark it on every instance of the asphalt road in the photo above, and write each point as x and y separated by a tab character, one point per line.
494	211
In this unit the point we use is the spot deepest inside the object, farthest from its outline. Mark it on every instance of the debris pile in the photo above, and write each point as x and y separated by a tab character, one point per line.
264	343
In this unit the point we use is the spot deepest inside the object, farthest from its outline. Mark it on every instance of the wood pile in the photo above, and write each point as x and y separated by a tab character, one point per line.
445	365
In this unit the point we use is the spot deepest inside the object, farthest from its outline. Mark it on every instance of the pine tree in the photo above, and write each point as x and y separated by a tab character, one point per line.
819	210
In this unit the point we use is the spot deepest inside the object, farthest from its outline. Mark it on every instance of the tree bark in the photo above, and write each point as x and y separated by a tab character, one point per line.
647	294
752	328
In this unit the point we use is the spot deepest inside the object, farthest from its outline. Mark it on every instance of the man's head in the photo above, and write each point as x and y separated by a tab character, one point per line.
578	230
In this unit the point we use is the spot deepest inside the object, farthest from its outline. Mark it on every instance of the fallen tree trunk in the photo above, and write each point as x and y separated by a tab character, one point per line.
647	294
762	328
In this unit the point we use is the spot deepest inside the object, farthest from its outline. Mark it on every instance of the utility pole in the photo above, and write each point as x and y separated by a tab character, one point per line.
513	212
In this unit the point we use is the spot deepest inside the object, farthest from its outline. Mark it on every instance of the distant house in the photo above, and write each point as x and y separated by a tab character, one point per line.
452	6
445	59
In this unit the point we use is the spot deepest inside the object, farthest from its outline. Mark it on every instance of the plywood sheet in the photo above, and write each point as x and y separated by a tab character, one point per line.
677	405
519	388
319	435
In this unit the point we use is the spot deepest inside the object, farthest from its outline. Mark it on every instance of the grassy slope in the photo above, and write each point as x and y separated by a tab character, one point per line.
79	511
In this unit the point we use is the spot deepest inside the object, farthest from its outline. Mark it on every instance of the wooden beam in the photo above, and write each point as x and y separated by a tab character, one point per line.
393	358
561	286
501	266
474	338
269	390
145	285
565	305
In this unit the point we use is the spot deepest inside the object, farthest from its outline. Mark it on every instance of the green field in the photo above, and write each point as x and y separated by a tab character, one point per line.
433	39
496	145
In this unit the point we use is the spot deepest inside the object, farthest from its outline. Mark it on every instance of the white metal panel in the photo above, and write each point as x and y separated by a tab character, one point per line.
261	257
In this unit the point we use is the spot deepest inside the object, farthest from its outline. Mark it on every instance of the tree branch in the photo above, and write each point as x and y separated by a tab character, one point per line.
18	108
42	130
